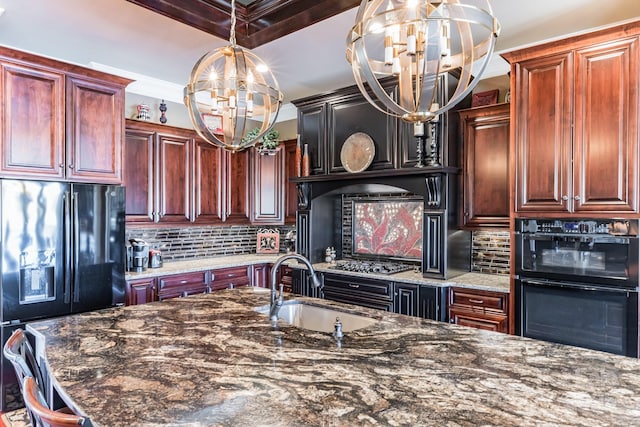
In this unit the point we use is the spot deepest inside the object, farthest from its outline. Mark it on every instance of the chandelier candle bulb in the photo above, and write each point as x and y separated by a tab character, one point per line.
418	129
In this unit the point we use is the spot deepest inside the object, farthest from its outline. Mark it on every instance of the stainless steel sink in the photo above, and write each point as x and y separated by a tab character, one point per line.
316	318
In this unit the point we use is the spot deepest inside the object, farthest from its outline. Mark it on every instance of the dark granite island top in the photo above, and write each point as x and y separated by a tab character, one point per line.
210	360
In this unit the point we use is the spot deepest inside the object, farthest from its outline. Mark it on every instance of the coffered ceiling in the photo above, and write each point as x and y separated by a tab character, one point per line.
257	21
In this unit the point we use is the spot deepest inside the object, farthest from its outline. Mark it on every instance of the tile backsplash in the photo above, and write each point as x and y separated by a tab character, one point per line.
490	252
204	241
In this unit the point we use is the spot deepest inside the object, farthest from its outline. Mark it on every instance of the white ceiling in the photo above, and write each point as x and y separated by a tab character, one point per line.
119	34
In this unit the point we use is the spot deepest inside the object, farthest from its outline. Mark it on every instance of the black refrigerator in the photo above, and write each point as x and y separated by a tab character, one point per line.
62	251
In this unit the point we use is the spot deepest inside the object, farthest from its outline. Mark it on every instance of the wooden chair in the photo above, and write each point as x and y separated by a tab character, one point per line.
19	352
41	415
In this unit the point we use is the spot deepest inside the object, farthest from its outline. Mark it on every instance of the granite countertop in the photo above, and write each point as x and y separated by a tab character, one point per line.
490	282
208	360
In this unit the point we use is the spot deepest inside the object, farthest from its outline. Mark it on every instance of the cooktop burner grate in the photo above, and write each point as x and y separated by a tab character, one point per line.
372	266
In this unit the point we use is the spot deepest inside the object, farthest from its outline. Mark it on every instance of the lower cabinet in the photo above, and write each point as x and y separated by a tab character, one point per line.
261	274
141	291
182	285
285	277
479	309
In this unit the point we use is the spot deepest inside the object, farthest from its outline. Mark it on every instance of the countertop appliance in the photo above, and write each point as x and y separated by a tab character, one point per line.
137	255
577	282
62	253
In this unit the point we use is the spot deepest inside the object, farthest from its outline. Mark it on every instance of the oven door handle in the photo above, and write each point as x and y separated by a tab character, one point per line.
575	285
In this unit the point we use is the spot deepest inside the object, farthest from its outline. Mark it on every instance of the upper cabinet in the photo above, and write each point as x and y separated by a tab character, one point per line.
174	176
59	121
485	149
575	124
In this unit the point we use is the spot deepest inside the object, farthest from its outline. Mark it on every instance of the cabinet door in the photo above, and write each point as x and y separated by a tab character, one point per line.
486	166
32	110
433	247
138	175
208	176
141	291
407	298
543	117
311	125
236	196
261	276
95	129
267	188
290	191
606	128
173	184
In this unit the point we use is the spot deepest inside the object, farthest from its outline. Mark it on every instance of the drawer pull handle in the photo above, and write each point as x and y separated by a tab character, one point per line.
476	301
351	285
182	282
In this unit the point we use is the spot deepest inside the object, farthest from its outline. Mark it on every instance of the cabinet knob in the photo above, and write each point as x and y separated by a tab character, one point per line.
565	197
71	166
576	198
61	165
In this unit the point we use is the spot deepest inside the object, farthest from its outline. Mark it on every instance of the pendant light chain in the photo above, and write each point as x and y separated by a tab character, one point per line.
232	34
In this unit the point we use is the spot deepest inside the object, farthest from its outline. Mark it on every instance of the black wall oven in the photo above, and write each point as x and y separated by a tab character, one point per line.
577	282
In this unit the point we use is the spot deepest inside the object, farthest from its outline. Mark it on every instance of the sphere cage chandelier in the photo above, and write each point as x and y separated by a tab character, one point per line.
415	42
231	92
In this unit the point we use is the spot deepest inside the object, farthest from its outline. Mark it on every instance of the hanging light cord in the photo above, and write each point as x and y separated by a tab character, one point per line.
232	34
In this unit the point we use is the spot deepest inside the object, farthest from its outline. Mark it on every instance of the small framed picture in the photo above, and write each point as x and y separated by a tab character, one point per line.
268	241
484	98
213	122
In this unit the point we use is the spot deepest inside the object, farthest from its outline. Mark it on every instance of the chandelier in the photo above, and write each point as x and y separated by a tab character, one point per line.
231	92
413	43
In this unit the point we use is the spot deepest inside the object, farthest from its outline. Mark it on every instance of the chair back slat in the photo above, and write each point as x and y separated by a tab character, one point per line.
19	352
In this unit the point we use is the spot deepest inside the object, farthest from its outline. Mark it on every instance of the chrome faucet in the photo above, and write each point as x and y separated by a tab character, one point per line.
277	300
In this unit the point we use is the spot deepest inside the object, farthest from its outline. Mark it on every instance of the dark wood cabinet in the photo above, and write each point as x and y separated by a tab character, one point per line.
141	291
485	148
576	124
157	173
311	127
290	191
60	121
232	277
208	193
433	303
285	277
407	298
182	285
479	309
268	187
173	176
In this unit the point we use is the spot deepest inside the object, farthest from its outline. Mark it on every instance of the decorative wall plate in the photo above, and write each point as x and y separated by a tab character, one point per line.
357	152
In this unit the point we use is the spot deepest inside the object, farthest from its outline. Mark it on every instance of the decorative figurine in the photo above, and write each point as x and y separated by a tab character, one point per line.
163	110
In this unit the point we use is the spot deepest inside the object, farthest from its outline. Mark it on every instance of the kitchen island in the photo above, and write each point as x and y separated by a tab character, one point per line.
211	360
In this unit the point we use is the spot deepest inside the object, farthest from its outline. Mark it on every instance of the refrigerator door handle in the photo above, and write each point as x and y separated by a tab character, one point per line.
68	250
76	247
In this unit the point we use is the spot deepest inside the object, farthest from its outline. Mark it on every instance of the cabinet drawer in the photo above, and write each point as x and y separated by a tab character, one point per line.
478	299
233	277
182	284
356	285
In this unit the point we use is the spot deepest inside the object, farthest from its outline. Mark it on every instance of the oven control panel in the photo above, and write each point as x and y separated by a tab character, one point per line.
615	227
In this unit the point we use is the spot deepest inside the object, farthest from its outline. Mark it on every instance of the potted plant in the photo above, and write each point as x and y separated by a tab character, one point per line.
269	142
